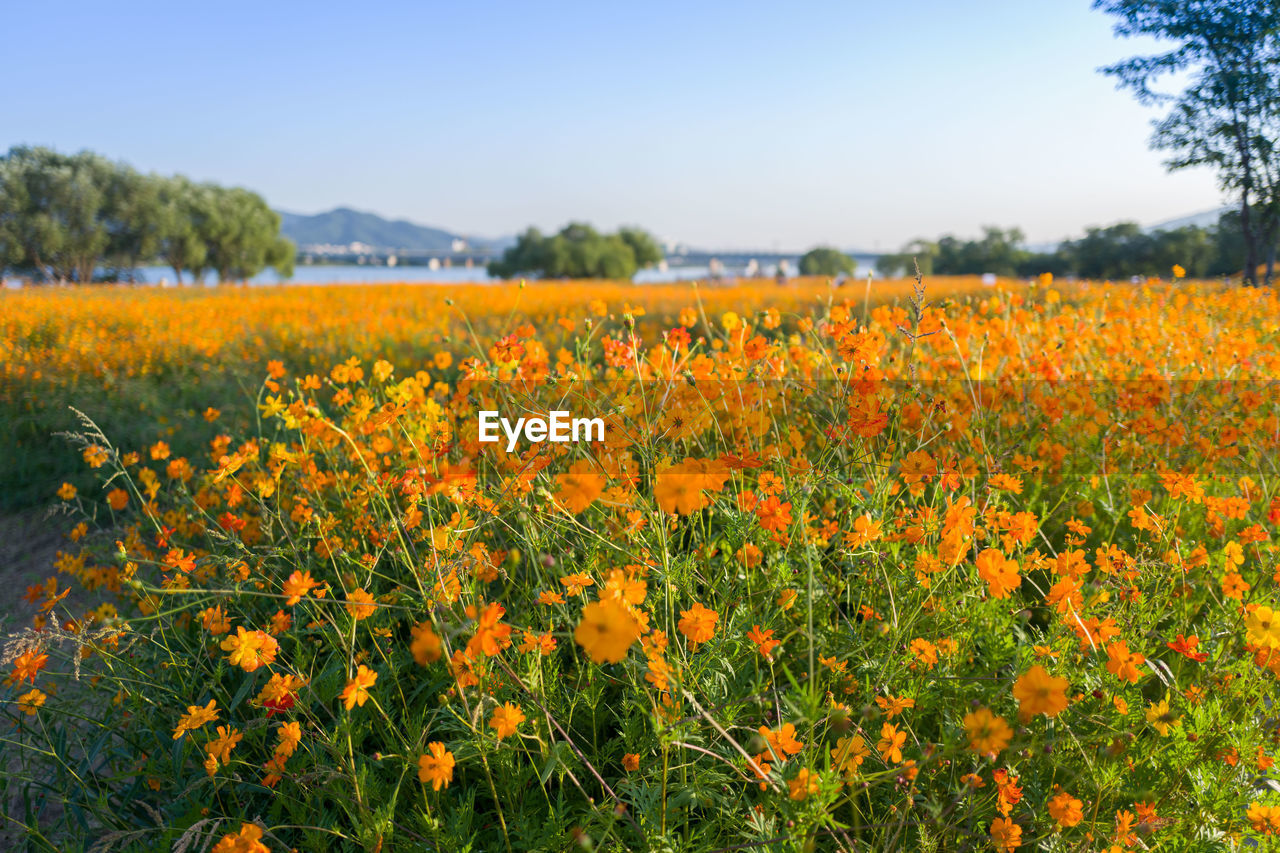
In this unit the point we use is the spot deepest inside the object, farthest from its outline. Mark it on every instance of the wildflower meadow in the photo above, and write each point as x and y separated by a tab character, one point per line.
911	565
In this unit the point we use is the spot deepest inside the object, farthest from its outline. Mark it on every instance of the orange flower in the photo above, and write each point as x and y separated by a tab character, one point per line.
574	584
774	515
491	635
848	755
1066	809
196	717
606	631
1000	574
698	623
631	762
803	785
436	766
1038	692
679	489
783	742
357	690
579	487
506	719
247	840
220	747
765	643
1005	834
27	665
426	645
1124	664
250	649
298	585
988	733
891	743
360	604
31	701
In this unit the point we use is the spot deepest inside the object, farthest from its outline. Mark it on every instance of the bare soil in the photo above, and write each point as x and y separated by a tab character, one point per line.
29	542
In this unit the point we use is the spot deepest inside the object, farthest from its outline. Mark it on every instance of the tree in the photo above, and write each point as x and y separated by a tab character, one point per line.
919	253
67	217
181	208
52	212
645	248
131	215
578	251
997	251
242	235
824	260
1228	116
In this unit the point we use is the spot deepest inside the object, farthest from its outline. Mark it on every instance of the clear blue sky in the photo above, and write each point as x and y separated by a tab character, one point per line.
860	123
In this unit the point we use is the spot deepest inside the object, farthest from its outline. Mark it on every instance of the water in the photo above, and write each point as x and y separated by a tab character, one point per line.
365	274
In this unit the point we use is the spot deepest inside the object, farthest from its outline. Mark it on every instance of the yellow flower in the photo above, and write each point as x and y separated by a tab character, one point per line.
1262	627
1161	717
31	701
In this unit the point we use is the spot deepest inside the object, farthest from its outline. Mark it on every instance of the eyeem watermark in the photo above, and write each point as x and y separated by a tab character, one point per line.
560	427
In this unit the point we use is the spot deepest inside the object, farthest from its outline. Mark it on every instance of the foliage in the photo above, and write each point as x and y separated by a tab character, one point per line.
824	260
1125	249
1116	251
578	251
1228	115
988	573
80	218
997	251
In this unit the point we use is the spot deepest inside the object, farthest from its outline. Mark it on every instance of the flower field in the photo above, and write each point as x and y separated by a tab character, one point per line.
868	568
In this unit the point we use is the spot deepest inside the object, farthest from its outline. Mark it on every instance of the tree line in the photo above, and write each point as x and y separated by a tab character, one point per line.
82	218
1227	116
578	251
1111	252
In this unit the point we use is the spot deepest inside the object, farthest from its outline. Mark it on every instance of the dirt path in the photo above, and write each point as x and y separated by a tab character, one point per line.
29	542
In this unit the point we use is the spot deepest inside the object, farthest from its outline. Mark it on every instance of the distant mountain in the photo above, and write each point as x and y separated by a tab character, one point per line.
1205	219
344	226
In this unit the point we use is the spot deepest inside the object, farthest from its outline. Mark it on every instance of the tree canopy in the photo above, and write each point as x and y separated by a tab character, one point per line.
1228	115
1114	251
81	217
578	251
824	260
